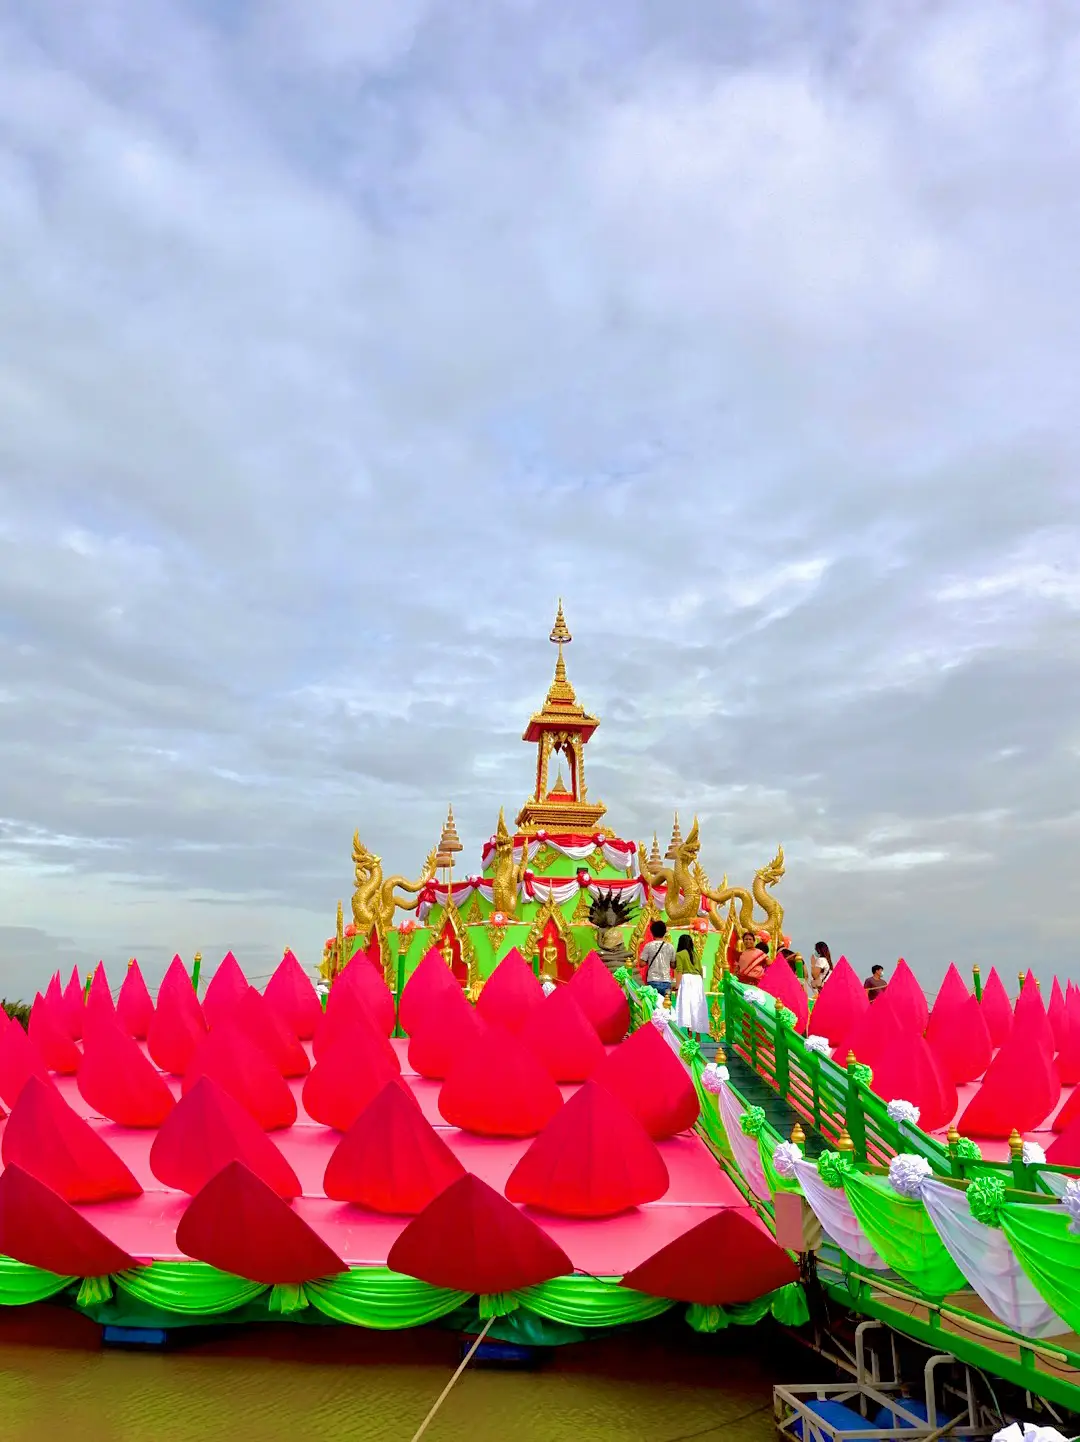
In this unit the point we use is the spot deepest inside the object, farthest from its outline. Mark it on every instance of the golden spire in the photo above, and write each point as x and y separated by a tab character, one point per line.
560	632
676	841
656	861
449	842
560	689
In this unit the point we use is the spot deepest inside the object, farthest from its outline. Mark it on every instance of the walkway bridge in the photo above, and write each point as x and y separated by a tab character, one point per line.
973	1257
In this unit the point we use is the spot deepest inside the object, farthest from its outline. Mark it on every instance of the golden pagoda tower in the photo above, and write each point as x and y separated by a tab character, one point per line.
561	727
656	861
676	841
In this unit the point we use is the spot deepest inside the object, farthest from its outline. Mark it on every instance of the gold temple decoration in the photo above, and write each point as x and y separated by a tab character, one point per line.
474	916
798	1136
676	842
1016	1145
506	877
581	910
851	1059
340	935
561	726
683	880
375	898
656	861
844	1142
952	1136
549	911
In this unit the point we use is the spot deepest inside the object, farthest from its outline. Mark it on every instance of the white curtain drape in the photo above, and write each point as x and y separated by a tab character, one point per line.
744	1148
833	1211
984	1256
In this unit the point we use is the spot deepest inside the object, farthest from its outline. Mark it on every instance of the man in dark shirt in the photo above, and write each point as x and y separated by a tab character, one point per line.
875	983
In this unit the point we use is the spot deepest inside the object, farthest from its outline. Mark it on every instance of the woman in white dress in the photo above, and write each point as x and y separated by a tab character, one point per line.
691	1012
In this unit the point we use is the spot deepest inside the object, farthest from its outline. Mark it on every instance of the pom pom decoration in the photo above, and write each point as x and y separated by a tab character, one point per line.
118	1081
818	1044
832	1167
1071	1202
752	1121
391	1159
986	1199
902	1111
907	1174
498	1089
293	999
1032	1155
240	1225
134	1007
562	1038
511	993
784	1157
209	1129
647	1077
601	998
48	1140
495	1247
713	1077
593	1159
40	1229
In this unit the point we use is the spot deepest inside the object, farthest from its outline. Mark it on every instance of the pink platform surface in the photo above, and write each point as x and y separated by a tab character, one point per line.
993	1149
146	1226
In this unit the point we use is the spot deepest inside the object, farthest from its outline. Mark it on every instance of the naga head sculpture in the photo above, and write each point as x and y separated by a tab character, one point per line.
608	909
366	861
772	873
504	842
688	851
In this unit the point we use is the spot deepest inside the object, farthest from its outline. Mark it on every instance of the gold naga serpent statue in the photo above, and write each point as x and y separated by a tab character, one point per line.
506	878
687	885
375	900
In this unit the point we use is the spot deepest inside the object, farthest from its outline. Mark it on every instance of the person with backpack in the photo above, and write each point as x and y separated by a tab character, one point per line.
659	958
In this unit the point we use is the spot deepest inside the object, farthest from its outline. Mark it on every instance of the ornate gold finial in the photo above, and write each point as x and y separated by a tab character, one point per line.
1020	976
721	1056
131	962
656	861
560	632
676	841
952	1136
798	1136
844	1142
975	969
851	1059
449	841
1016	1145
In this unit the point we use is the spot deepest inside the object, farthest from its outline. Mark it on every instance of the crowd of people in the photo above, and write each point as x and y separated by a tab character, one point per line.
678	969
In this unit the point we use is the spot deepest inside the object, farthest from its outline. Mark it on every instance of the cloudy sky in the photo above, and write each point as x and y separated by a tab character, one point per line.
338	338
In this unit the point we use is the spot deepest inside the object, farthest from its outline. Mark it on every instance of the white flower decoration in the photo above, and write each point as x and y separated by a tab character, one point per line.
548	987
902	1111
712	1076
1033	1154
661	1017
819	1044
756	995
907	1174
784	1157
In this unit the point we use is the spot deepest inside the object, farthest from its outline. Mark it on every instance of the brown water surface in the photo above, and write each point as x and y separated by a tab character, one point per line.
658	1383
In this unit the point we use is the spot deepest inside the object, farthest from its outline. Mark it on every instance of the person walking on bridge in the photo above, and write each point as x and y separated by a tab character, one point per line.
659	958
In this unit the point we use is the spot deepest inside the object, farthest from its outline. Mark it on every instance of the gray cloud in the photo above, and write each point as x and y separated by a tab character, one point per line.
336	342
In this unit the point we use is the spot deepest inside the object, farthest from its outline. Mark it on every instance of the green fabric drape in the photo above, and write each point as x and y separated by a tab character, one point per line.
380	1299
590	1302
190	1288
21	1284
1049	1253
787	1305
902	1232
775	1182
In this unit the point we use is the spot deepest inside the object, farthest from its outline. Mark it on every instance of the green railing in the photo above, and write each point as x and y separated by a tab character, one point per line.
836	1099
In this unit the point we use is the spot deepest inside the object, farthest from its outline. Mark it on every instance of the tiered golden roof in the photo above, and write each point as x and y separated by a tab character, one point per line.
449	841
656	861
676	841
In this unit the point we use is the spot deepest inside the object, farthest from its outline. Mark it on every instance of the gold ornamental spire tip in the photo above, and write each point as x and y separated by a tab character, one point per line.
676	841
656	861
449	840
560	632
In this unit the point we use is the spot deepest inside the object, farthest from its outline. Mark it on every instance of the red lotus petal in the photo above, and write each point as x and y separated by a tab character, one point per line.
19	1060
391	1159
134	1006
907	999
601	998
99	1000
840	1005
593	1159
727	1258
118	1081
40	1229
348	1076
996	1008
511	993
51	1142
226	989
562	1038
441	1034
429	983
240	1225
260	1025
364	984
49	1034
495	1247
1020	1089
74	1008
246	1073
907	1069
209	1129
178	1026
648	1078
782	983
350	1017
497	1088
293	999
960	1042
873	1033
